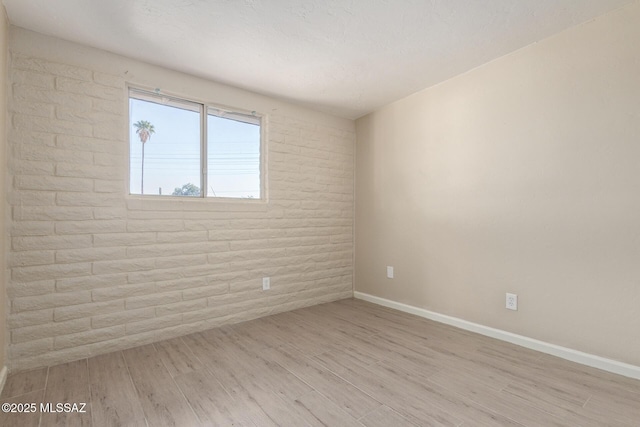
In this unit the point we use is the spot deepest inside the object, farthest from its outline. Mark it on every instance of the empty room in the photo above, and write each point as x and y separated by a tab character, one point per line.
320	213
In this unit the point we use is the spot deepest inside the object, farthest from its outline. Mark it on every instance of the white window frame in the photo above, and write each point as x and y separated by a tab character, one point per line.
204	109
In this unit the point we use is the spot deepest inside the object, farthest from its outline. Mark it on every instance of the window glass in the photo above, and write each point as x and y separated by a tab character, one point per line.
174	152
164	147
233	158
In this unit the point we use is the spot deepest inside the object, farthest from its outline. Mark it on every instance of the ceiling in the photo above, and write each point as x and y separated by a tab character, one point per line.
344	57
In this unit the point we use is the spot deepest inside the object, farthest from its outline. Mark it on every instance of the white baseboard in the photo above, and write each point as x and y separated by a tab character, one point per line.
3	378
587	359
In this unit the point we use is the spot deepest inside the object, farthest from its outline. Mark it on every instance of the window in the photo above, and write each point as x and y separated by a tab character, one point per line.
183	148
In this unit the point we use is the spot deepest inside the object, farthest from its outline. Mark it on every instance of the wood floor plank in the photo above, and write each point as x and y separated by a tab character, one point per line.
308	342
318	411
390	317
592	379
113	396
527	372
412	373
162	401
267	334
364	355
531	381
234	364
508	405
470	412
377	348
469	371
24	382
217	360
68	384
385	417
211	402
23	419
347	363
544	396
267	408
177	357
347	397
351	315
387	348
622	408
319	318
254	336
248	365
436	342
387	386
419	387
136	423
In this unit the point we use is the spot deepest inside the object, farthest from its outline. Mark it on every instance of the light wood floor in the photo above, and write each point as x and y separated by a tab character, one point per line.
347	363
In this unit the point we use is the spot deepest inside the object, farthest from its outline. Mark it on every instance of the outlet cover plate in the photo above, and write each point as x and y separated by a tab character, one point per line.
512	301
266	283
389	272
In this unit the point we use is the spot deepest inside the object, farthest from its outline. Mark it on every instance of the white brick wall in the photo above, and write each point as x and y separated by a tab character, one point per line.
93	270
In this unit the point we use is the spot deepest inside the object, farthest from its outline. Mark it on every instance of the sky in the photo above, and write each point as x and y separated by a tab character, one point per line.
172	154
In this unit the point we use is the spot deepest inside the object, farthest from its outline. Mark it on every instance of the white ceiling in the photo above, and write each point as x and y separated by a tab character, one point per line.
345	57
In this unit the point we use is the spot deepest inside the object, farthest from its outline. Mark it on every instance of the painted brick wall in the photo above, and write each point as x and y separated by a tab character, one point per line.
93	270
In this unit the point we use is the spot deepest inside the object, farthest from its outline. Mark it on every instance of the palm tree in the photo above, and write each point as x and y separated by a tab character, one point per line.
144	129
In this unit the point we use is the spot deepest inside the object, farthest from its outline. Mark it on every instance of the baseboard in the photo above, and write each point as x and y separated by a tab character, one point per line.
3	378
587	359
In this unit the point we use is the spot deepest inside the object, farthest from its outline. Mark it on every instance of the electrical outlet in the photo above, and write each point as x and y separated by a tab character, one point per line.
512	301
266	283
389	272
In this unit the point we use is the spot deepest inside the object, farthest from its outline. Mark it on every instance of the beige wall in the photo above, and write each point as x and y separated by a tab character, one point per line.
3	166
522	176
94	270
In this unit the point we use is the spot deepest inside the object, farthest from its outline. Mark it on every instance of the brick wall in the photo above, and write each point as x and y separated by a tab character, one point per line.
93	270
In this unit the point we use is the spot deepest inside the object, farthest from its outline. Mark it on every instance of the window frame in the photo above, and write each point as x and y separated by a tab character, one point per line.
203	108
